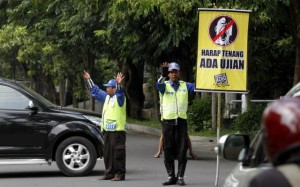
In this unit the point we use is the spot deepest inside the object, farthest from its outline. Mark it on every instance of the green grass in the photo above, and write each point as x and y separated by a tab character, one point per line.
157	124
211	133
148	122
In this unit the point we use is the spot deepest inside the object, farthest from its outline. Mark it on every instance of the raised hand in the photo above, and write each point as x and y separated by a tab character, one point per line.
86	74
119	78
164	69
88	79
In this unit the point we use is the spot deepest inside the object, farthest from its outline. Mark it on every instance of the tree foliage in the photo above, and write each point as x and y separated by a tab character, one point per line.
50	41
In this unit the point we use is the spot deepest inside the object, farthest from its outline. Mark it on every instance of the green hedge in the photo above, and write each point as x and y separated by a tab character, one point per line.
250	121
199	115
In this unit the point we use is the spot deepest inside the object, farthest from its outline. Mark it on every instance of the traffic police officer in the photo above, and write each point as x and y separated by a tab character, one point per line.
113	125
174	96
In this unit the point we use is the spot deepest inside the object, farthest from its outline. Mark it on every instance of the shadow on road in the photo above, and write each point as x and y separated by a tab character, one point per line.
41	174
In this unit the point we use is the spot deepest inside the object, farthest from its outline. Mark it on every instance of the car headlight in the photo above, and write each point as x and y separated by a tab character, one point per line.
96	120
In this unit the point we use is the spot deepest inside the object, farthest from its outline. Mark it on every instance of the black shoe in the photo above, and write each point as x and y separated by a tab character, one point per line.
118	178
180	181
171	181
106	178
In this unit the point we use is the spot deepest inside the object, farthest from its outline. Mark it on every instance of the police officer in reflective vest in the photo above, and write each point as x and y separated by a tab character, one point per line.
113	125
174	95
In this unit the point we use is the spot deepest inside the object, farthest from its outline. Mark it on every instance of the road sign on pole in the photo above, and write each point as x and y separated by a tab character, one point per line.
222	55
222	50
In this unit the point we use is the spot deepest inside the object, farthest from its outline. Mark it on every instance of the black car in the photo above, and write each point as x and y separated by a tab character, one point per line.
35	131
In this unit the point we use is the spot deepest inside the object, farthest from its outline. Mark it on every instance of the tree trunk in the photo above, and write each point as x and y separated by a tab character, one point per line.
297	64
74	98
91	65
89	61
294	24
45	87
134	89
62	89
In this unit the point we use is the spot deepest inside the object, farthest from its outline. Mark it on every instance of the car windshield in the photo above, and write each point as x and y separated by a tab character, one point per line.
37	96
294	92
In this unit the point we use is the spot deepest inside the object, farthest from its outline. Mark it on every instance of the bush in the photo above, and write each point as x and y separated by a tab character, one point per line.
199	115
250	121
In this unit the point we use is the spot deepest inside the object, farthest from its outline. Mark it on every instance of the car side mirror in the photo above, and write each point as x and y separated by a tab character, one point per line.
233	147
32	106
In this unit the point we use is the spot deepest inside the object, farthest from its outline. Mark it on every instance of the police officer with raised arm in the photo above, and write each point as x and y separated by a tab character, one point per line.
174	95
113	125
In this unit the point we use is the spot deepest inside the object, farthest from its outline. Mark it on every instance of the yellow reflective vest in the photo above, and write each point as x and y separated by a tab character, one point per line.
175	103
113	116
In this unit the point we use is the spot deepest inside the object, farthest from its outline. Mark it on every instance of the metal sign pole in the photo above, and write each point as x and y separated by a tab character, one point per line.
218	137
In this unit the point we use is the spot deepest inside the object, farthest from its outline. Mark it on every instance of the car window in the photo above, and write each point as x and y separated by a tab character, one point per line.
12	99
37	96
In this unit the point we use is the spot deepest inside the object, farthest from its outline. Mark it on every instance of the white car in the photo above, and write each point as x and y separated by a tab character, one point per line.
251	156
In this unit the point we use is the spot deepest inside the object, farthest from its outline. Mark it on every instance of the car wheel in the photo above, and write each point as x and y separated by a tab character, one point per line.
76	156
